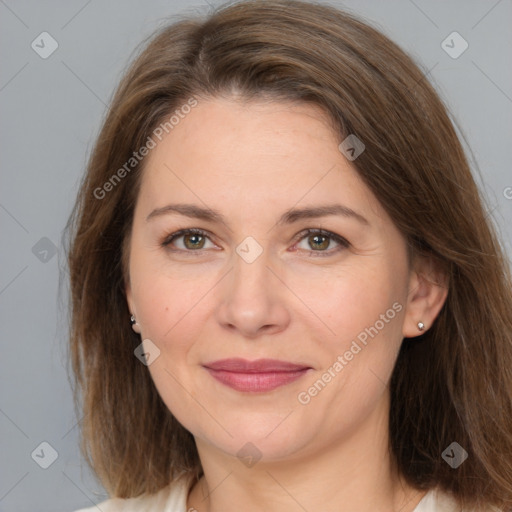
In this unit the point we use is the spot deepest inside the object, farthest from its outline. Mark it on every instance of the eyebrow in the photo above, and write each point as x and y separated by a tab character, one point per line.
289	217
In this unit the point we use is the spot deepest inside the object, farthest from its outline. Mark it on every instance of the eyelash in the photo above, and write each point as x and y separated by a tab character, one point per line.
343	243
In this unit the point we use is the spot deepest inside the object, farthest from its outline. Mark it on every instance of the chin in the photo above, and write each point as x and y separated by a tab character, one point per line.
257	436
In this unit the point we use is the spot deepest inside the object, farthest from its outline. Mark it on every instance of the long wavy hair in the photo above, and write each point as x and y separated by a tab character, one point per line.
453	383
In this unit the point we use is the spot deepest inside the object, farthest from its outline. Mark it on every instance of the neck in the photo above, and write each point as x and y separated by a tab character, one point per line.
355	473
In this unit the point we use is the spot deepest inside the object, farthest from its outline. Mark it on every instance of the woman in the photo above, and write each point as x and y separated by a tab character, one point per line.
285	292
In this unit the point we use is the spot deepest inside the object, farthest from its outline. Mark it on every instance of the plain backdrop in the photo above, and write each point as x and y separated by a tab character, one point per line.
51	110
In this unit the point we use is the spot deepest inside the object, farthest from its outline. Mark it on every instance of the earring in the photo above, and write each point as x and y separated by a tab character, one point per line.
135	325
421	326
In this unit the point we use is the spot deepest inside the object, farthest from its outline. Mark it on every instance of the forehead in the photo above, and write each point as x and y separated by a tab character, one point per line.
258	154
235	131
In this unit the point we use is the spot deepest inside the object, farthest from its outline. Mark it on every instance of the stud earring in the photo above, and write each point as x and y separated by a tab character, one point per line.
421	326
135	325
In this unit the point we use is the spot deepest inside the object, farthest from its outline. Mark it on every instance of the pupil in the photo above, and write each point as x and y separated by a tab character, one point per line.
191	241
320	244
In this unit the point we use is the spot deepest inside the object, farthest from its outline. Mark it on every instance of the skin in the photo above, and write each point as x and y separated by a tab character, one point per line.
302	300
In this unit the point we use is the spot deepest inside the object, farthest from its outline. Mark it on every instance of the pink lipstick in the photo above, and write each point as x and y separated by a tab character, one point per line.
255	376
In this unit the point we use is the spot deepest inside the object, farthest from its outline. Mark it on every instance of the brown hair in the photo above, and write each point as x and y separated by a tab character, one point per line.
453	383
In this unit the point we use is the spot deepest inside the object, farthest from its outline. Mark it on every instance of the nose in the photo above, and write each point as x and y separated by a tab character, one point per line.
253	300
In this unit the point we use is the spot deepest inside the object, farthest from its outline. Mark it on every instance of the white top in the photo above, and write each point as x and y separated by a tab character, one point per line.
173	498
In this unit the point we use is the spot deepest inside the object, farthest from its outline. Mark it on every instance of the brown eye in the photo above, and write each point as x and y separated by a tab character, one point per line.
318	242
187	240
321	243
193	241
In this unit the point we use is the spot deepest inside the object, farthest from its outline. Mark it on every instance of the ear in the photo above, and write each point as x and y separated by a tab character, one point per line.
131	307
129	296
126	276
128	287
427	292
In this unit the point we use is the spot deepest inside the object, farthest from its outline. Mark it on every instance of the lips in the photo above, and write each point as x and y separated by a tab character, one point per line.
255	376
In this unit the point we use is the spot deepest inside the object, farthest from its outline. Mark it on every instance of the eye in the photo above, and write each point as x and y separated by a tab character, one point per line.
319	241
189	240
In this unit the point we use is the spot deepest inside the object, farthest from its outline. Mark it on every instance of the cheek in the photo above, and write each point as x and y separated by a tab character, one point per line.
167	308
364	309
349	300
166	296
173	316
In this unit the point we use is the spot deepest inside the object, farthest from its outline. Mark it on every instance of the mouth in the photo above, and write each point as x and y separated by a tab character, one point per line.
255	376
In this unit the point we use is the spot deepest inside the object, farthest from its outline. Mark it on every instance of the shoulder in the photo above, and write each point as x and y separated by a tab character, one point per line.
172	498
438	501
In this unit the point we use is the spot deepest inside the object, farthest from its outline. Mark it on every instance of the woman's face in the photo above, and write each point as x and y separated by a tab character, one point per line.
259	282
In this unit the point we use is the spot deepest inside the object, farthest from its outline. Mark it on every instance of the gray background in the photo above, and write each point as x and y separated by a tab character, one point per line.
51	110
